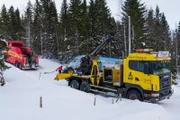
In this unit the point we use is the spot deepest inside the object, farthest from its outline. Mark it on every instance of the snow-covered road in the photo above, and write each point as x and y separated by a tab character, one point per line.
20	100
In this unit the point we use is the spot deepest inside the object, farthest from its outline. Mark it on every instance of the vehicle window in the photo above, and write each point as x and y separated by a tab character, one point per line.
133	65
141	66
137	65
160	67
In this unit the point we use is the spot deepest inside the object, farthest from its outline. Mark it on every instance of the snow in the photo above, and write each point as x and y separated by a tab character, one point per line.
20	100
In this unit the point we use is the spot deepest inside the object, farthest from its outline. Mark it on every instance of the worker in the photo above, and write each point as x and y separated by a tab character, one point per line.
59	69
85	65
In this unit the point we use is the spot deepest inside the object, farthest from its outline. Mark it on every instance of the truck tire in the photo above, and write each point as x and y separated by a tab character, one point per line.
134	95
16	64
85	87
74	84
20	65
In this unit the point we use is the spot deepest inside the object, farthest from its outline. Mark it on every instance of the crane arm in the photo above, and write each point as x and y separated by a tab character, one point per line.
102	45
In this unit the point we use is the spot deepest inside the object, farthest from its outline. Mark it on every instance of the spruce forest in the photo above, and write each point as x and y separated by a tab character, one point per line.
80	25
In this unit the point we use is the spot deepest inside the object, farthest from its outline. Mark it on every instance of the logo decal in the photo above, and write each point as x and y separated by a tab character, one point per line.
130	76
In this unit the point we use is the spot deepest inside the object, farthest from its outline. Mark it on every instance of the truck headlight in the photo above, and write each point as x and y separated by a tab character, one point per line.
154	94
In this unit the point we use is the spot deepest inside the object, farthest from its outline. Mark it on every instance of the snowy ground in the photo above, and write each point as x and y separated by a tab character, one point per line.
19	100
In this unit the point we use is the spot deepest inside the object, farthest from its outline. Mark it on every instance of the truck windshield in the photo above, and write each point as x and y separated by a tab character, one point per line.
160	67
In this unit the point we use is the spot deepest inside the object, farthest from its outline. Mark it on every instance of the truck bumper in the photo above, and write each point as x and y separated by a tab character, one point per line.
35	66
155	97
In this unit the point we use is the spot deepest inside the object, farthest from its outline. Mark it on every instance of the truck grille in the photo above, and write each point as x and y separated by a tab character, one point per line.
165	84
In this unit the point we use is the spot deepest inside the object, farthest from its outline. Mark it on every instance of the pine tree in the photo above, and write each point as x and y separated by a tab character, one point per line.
165	32
151	39
103	17
120	42
177	44
14	26
37	28
158	35
136	10
49	28
28	26
92	25
158	30
53	38
116	45
18	28
63	31
4	21
174	50
11	25
84	29
100	22
3	46
44	26
75	21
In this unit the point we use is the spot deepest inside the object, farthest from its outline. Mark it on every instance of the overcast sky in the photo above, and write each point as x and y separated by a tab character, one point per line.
169	7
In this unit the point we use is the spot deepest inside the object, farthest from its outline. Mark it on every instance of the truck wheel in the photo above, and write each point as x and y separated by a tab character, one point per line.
85	87
74	84
20	66
133	95
16	64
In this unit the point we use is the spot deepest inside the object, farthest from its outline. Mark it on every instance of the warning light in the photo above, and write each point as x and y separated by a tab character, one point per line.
144	50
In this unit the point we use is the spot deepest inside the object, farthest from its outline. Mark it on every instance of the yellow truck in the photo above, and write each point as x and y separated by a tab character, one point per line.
144	75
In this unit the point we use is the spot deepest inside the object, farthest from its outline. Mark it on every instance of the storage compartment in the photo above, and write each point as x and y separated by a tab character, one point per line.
108	75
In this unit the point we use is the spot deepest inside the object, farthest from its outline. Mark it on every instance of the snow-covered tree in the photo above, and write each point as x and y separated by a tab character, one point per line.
28	26
36	30
136	10
4	21
3	47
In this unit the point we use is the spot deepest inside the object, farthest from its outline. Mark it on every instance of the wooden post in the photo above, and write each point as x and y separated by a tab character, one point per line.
41	105
39	76
117	99
94	101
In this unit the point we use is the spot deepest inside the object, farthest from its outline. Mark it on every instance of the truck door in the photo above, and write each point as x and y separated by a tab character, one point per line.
138	74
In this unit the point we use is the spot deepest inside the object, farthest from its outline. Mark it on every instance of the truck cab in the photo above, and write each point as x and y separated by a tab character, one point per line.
149	73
